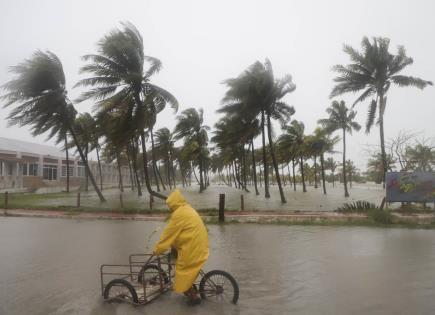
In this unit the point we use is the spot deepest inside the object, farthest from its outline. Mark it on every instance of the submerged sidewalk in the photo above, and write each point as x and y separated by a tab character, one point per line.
230	216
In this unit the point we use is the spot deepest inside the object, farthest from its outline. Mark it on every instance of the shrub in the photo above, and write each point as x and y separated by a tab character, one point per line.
359	206
380	216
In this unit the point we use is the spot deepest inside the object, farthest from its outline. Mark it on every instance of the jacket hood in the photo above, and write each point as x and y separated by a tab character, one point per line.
175	200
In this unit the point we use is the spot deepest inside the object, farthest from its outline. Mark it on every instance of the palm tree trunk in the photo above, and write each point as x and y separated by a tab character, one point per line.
244	169
121	186
85	162
265	174
145	167
196	177
294	174
346	193
86	170
261	174
275	165
67	163
315	171
254	168
234	175
323	173
153	156
304	188
168	175
289	175
130	169
134	162
172	168
99	166
382	105
201	178
282	175
160	176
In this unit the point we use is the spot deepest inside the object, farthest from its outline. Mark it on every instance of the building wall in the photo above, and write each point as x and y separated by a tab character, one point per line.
32	171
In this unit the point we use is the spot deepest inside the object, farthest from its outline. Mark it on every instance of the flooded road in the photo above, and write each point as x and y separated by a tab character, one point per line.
51	266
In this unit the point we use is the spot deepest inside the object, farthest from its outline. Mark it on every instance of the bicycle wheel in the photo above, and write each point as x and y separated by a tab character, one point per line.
150	274
219	286
120	289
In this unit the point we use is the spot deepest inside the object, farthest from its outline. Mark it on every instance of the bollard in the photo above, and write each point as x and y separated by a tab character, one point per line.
221	207
121	201
242	203
78	199
151	202
6	202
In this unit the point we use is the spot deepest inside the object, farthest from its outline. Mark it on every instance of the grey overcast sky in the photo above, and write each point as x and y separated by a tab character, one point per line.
201	43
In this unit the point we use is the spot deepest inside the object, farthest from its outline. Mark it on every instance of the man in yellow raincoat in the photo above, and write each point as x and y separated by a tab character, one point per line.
186	233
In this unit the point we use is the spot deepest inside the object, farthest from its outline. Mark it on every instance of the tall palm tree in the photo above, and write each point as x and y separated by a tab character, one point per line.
256	93
322	143
295	136
340	117
41	97
121	80
190	127
373	70
165	144
331	165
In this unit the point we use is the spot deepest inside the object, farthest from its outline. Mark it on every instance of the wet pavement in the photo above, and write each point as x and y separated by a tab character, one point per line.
51	266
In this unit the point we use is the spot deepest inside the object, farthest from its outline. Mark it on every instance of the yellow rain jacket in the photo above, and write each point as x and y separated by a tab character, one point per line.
185	232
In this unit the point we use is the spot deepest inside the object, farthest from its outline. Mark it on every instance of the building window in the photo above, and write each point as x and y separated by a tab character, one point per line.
80	171
33	169
49	172
71	171
25	169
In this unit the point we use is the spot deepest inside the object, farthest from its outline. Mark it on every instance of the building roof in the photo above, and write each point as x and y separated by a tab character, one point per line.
14	145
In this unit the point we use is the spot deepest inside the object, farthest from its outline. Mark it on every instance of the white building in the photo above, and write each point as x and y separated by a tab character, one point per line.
26	165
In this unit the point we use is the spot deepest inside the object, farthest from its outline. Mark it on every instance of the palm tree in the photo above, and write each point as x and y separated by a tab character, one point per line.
351	171
322	143
255	93
165	145
373	70
331	165
340	117
121	81
295	136
83	126
39	90
190	127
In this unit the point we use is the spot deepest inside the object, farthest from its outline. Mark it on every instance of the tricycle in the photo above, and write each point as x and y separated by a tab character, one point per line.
148	276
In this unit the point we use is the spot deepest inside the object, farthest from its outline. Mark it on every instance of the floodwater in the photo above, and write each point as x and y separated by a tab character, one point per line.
313	200
51	266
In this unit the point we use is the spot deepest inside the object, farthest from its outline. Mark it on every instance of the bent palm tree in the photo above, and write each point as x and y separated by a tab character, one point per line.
121	81
340	117
190	126
373	71
39	90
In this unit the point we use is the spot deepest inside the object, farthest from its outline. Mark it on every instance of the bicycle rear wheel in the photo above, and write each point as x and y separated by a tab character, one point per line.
219	286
